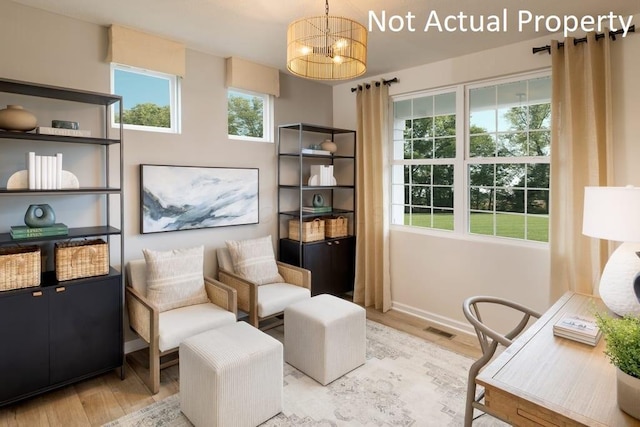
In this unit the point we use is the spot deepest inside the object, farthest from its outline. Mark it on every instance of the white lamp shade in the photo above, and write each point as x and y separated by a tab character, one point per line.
612	213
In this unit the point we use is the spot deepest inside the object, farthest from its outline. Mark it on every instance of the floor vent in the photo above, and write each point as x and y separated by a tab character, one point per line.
439	332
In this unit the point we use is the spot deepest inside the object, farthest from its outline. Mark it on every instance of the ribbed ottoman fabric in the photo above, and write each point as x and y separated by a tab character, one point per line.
325	337
231	376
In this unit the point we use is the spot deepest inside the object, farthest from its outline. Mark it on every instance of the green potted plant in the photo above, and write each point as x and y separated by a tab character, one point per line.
622	335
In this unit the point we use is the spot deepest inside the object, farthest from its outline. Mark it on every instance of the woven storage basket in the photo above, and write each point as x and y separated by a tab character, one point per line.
19	267
335	226
85	258
311	230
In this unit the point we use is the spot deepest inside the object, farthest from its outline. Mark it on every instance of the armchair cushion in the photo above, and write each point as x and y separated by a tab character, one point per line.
254	260
275	297
175	278
184	322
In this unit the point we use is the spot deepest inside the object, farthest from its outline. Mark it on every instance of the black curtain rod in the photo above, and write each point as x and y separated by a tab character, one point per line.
368	85
612	35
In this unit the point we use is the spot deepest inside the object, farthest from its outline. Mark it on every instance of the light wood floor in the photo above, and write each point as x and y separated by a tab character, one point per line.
102	399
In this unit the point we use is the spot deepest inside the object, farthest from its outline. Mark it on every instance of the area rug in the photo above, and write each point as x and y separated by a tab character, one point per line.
406	381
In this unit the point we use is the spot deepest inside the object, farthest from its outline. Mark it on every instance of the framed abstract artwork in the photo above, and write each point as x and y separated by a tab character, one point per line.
176	198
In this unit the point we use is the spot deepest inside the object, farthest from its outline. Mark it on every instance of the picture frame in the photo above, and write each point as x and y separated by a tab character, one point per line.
174	198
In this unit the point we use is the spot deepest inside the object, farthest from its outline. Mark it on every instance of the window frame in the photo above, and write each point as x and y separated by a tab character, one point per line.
434	161
268	124
461	185
175	106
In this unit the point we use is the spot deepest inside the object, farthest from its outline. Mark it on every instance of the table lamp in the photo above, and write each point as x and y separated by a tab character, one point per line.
613	213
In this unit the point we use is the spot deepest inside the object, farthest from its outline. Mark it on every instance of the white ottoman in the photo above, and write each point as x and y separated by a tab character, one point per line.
231	376
324	337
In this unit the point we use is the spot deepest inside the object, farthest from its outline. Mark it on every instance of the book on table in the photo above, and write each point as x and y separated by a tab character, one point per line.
583	329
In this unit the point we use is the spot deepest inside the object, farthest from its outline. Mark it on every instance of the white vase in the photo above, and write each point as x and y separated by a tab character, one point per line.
628	389
14	118
617	283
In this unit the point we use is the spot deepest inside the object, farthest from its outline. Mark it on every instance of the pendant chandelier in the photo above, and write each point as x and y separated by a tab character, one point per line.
327	47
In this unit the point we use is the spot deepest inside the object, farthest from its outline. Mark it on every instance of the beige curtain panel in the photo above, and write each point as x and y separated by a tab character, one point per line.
372	281
581	155
132	47
242	74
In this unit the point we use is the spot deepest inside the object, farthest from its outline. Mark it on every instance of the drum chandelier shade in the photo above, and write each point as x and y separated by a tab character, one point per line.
327	47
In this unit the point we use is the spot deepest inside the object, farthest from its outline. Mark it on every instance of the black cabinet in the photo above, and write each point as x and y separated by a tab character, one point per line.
24	328
331	263
59	334
85	328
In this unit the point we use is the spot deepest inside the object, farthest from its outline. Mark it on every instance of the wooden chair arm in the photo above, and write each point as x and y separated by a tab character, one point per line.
247	291
143	315
295	275
221	295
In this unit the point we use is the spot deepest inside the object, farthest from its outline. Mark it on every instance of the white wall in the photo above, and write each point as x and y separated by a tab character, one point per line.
430	274
47	48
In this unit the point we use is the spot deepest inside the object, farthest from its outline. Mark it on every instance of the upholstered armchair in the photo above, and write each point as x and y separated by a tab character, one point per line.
162	326
264	286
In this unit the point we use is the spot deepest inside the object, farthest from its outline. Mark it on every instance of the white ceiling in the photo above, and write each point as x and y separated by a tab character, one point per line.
256	29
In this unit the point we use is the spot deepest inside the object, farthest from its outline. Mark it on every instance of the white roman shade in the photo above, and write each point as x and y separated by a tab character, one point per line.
242	74
147	51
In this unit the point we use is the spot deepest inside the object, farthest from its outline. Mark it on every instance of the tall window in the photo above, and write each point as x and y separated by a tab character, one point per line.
424	149
508	164
249	115
504	184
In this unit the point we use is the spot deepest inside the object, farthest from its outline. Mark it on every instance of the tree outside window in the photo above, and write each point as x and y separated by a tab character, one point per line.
249	116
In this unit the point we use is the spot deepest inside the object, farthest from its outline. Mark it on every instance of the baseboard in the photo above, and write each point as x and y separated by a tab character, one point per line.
455	325
134	345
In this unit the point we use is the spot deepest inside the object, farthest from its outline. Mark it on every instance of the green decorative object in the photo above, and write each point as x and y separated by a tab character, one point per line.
318	200
40	216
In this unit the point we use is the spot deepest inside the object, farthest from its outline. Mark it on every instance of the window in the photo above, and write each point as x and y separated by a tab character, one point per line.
249	115
503	181
424	151
150	99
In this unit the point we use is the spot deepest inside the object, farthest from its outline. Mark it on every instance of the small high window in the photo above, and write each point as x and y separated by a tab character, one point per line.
150	99
249	115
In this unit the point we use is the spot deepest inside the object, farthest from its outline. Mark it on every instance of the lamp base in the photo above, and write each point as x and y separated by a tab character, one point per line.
620	281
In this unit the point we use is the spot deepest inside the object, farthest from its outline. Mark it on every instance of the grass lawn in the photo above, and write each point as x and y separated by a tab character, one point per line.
506	225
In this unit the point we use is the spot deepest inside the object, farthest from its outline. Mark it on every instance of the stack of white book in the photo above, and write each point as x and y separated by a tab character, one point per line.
45	172
314	151
578	328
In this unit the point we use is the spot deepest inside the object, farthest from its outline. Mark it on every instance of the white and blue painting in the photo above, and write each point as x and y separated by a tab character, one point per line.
187	197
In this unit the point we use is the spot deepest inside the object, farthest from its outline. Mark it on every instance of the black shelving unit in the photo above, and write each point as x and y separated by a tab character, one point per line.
59	333
331	260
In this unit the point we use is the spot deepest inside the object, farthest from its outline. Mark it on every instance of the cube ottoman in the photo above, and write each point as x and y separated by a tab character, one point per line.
231	376
325	337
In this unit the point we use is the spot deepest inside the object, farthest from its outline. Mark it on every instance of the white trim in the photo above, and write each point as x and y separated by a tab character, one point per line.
460	327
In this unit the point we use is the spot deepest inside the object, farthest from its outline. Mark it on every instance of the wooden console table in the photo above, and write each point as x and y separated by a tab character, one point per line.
544	380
